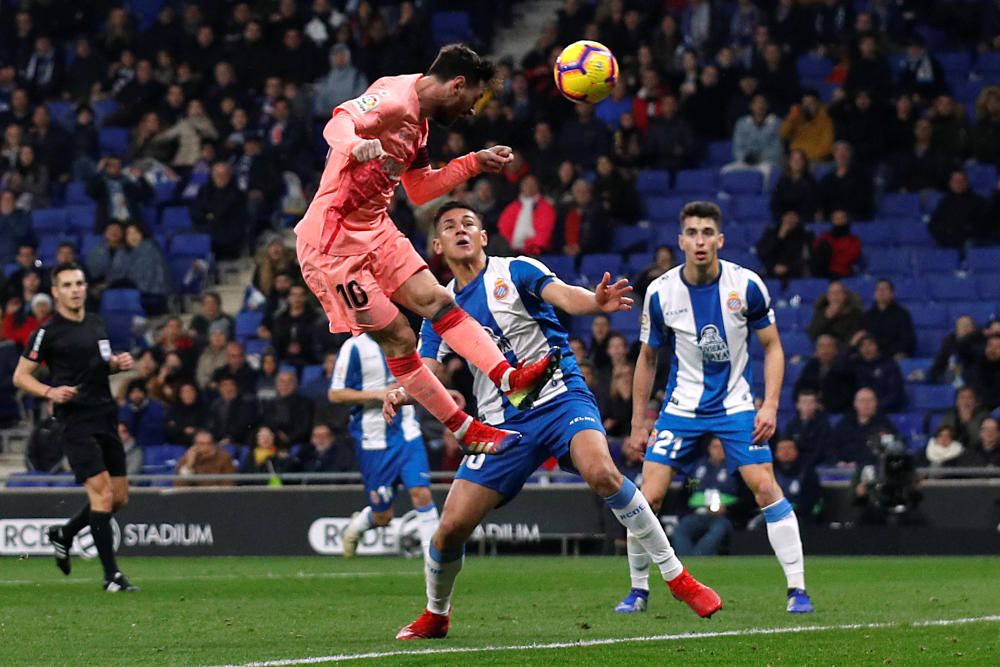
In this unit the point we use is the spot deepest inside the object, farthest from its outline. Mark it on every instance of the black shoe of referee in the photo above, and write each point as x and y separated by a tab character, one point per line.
119	585
61	547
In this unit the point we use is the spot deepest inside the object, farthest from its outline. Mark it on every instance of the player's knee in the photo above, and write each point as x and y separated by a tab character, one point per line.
105	499
421	496
397	339
119	500
767	493
452	533
382	518
655	502
605	479
432	301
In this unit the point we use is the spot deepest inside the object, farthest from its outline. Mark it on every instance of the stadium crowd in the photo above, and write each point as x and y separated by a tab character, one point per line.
853	146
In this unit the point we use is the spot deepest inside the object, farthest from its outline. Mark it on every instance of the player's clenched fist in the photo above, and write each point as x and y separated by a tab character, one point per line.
393	400
492	160
61	394
368	149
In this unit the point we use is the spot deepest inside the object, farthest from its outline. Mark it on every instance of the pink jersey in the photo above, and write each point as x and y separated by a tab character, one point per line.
348	214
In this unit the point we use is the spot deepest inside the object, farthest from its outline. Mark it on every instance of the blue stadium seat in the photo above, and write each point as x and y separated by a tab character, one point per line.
76	193
742	182
311	373
810	66
787	317
903	205
931	396
929	315
176	219
751	207
630	239
561	265
982	177
164	192
891	262
875	233
62	112
48	246
719	153
113	140
863	285
664	209
254	347
119	307
48	220
26	480
796	343
627	324
246	324
935	260
695	181
592	267
89	242
912	427
239	453
956	64
448	27
121	301
910	289
161	460
652	182
988	65
808	289
792	373
950	288
191	245
930	200
911	364
982	312
988	286
929	341
103	109
742	257
82	218
983	260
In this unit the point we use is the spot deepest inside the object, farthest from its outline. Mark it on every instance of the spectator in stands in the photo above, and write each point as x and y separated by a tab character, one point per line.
272	258
267	379
15	228
211	312
702	531
528	222
102	256
140	264
860	122
324	454
584	226
705	107
943	450
987	453
285	139
236	367
86	72
797	479
341	83
837	251
204	457
756	144
18	322
663	261
213	355
837	313
290	330
899	129
778	78
890	323
808	128
31	285
984	373
51	143
144	416
923	166
952	133
582	139
290	414
220	210
796	189
258	177
921	76
29	179
268	456
785	249
615	192
958	217
119	195
966	417
878	372
186	416
231	417
846	187
809	428
172	373
869	69
617	411
543	156
958	351
669	143
854	435
600	336
986	134
619	102
189	132
315	389
827	375
133	452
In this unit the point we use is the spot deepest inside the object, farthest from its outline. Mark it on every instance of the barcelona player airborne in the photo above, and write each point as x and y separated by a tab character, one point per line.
360	266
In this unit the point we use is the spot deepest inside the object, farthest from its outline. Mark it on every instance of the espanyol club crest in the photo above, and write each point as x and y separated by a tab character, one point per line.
501	289
734	303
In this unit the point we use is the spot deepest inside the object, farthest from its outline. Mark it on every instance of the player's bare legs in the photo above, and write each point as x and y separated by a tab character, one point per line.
366	519
589	451
782	531
422	294
464	509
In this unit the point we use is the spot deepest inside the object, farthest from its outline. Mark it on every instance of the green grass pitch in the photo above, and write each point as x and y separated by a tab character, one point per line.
215	611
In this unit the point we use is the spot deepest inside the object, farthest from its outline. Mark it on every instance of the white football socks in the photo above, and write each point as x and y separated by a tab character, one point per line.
638	563
632	511
362	521
783	533
440	571
427	524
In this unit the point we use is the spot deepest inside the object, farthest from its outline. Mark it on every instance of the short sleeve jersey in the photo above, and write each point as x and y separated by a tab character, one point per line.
77	355
348	215
706	330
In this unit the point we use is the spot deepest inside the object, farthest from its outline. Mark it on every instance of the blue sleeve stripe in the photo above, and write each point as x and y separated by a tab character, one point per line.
656	321
530	275
355	377
430	341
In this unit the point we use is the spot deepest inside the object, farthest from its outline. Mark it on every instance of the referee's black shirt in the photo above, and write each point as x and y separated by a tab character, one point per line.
78	355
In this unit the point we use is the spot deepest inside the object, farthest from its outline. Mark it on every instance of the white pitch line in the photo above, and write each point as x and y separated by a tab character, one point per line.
218	577
747	632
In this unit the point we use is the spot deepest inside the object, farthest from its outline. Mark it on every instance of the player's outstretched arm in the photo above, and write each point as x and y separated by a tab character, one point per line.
766	422
358	396
606	298
422	183
642	387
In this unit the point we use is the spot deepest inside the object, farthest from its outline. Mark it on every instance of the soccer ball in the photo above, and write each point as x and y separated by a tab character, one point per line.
586	71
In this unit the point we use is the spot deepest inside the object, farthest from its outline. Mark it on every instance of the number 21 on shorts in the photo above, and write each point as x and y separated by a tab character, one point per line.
666	444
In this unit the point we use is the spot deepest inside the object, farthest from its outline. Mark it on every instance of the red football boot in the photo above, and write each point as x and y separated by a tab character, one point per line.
523	385
480	438
702	599
427	626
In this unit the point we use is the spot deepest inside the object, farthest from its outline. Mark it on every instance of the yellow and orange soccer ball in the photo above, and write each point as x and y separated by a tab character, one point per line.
586	72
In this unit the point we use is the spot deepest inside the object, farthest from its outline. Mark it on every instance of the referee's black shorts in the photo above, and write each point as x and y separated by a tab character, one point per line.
91	444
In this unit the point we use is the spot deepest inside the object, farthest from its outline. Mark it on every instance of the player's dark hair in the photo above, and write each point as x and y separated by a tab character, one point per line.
888	282
702	209
459	60
451	205
65	266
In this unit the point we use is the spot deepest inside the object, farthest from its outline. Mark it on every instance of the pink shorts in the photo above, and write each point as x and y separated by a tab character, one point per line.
356	290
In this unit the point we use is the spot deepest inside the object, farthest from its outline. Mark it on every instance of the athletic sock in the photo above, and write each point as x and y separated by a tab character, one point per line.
783	533
427	390
440	570
638	563
100	529
632	511
362	521
427	524
76	523
468	339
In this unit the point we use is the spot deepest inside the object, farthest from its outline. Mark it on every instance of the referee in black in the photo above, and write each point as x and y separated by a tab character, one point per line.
75	346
